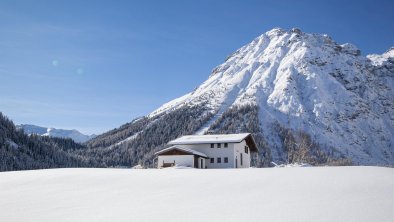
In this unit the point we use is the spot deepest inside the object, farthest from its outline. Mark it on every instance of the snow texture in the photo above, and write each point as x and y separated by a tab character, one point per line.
12	144
198	139
359	194
307	82
130	138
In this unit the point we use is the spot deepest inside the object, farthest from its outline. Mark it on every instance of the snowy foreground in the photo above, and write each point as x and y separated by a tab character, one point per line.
275	194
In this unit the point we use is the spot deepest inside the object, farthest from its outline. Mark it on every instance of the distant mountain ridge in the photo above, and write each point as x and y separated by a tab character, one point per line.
19	151
52	132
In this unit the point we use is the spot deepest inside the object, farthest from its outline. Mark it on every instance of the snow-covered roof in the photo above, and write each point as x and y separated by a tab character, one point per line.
182	149
218	138
215	138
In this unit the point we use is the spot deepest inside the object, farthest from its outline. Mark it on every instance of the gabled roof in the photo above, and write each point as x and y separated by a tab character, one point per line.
216	138
187	150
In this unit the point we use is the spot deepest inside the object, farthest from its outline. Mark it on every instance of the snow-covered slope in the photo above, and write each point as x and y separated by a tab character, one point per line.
275	194
307	82
62	133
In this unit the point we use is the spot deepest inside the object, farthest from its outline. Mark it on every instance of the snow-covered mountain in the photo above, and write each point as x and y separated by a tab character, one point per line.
52	132
296	85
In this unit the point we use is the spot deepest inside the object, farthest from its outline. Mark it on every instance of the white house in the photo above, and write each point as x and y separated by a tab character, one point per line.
209	151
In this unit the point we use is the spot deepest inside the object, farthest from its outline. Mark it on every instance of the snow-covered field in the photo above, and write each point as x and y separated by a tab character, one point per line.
275	194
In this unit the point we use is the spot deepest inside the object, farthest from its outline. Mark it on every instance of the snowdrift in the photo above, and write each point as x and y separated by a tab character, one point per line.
273	194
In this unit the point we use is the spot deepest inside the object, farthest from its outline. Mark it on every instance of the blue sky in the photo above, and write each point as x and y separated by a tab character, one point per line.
94	65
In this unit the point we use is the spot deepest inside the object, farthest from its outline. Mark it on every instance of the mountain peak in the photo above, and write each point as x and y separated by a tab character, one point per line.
383	59
389	53
275	32
350	49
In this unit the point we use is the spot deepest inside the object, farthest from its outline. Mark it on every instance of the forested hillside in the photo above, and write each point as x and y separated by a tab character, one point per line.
136	142
23	152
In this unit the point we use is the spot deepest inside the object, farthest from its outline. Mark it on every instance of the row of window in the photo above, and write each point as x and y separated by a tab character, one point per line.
219	145
225	145
219	160
225	159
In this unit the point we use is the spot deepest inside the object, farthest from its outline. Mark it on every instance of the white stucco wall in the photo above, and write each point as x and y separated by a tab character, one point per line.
231	152
238	149
182	160
215	153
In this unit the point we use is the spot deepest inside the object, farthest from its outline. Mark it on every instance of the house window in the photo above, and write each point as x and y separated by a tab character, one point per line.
219	160
212	145
219	145
242	159
212	160
226	160
246	149
225	145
